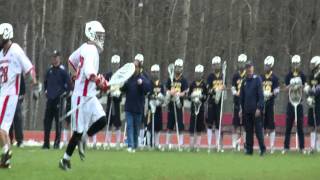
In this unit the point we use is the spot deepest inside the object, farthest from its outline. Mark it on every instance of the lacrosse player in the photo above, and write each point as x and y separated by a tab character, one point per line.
294	80
113	107
215	88
176	91
85	61
311	90
235	89
197	95
13	62
270	85
156	99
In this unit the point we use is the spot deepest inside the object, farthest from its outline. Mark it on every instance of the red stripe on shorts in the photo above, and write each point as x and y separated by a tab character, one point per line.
77	112
4	107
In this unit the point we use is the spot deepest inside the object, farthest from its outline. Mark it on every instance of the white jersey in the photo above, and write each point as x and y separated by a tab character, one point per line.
12	64
85	60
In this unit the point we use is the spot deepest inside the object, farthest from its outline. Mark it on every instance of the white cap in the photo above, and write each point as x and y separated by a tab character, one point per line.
139	57
155	67
6	31
269	60
115	59
315	60
296	59
216	60
242	58
199	68
178	62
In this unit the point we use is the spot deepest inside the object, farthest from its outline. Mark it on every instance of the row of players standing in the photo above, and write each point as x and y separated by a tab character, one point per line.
209	93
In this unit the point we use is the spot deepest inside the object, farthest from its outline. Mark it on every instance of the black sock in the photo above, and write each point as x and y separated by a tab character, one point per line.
97	126
76	137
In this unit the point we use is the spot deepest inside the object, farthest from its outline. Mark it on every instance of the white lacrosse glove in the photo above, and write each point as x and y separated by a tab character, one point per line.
267	95
177	100
36	90
217	96
310	101
153	106
234	91
306	89
116	93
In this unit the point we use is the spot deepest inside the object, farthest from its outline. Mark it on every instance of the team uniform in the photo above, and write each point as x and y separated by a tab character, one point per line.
85	61
115	111
236	83
197	122
13	63
270	83
180	85
314	111
156	88
214	82
291	115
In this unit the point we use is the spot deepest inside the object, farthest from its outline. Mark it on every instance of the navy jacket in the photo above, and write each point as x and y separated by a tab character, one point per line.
56	82
135	94
251	94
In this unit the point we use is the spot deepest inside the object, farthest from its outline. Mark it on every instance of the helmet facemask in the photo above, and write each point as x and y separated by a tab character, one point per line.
99	40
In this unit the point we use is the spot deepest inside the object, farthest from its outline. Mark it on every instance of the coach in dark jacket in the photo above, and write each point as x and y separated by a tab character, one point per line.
252	102
57	83
135	90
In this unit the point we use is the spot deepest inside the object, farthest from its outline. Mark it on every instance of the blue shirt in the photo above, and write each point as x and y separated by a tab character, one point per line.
56	82
251	94
135	93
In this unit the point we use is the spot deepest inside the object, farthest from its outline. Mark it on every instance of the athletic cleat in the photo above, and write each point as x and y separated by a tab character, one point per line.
65	164
284	151
5	160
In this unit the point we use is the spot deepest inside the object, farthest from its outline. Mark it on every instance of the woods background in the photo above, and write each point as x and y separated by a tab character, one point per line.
163	30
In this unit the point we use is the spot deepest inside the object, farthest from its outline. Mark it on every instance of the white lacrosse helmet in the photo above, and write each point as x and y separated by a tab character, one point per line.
199	68
178	62
296	59
216	60
315	60
139	57
155	68
95	32
242	58
6	31
269	60
115	59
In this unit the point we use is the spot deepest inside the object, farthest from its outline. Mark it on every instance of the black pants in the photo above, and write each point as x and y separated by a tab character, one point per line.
253	123
52	112
17	125
289	123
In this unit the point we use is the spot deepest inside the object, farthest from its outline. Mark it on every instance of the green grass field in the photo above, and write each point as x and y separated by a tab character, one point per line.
35	163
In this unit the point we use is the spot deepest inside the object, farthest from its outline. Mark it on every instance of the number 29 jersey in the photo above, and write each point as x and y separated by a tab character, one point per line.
12	64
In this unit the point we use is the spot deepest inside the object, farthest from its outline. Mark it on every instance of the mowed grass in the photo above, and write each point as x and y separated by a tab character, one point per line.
35	163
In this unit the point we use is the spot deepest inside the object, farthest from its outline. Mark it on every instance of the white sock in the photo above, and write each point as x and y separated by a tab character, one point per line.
216	133
65	136
168	138
318	141
191	141
149	138
118	136
180	139
66	156
157	139
141	136
94	139
209	134
5	148
234	140
272	138
312	140
198	140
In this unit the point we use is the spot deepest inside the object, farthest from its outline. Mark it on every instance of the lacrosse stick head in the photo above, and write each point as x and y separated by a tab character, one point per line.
122	75
295	95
